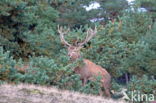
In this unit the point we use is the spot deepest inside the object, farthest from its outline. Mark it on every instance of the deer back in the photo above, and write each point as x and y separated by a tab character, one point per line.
90	70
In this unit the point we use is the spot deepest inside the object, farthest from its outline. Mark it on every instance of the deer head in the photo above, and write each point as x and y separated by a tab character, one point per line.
74	50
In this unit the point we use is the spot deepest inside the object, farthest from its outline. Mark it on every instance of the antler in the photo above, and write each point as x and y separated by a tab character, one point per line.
62	32
90	33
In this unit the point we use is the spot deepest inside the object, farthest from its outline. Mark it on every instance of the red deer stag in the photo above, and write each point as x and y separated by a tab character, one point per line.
90	70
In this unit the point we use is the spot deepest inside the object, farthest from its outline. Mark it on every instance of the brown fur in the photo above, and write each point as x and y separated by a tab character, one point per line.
90	71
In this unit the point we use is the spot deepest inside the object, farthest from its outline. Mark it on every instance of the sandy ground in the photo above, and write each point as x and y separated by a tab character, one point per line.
24	93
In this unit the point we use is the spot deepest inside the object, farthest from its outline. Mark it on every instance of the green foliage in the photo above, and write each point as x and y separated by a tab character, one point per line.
142	84
123	45
6	65
45	71
26	25
93	87
135	25
73	12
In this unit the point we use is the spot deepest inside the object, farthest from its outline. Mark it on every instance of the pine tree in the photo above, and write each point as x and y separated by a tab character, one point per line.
26	25
73	12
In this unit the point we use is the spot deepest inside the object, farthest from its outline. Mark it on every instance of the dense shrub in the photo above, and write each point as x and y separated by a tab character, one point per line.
125	46
6	65
44	71
142	85
25	26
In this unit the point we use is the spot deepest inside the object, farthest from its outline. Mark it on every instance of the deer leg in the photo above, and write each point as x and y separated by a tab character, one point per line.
107	92
100	92
84	81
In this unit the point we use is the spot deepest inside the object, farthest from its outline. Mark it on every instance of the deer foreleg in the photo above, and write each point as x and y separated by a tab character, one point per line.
84	81
107	91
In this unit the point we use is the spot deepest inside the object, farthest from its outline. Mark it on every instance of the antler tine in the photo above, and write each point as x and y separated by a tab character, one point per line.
90	34
62	32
